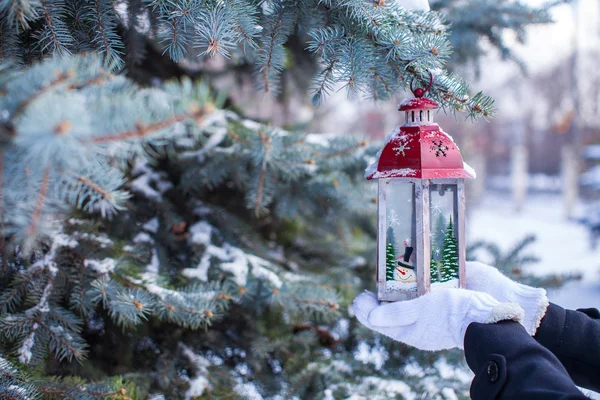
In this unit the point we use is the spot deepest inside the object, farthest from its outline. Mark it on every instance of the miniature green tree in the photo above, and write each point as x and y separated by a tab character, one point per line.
449	269
390	255
433	268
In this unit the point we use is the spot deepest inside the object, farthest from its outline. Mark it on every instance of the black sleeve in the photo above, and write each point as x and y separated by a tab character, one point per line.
574	337
510	364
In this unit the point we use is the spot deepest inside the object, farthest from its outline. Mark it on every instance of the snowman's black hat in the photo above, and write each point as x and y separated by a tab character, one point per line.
407	253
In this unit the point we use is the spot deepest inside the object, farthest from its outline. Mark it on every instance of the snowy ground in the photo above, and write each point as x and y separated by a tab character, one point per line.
563	246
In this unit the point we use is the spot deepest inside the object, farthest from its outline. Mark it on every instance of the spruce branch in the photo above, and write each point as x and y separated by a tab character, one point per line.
141	130
60	79
100	14
271	54
20	13
32	230
263	171
55	37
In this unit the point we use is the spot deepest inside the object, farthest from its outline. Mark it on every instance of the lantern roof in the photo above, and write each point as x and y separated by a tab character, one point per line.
419	150
418	103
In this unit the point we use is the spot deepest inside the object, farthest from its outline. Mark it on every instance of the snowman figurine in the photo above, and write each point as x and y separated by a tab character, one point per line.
405	272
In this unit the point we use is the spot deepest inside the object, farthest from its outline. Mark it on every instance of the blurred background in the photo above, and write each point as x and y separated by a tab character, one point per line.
538	160
231	270
537	194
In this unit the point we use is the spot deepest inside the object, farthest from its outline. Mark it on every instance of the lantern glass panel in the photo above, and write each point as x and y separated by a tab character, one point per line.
443	208
400	237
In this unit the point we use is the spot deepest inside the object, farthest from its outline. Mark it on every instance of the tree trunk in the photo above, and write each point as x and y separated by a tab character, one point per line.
520	177
570	178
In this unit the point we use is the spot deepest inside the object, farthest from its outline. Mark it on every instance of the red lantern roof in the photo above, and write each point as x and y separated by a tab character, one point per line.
419	150
418	103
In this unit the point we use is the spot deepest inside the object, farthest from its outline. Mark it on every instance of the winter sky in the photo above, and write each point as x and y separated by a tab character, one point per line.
549	44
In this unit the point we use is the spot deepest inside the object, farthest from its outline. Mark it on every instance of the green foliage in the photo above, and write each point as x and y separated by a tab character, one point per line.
149	234
390	255
390	262
434	269
475	24
17	385
514	262
371	48
63	118
449	269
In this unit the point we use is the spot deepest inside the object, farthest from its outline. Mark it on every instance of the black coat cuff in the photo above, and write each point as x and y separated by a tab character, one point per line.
510	364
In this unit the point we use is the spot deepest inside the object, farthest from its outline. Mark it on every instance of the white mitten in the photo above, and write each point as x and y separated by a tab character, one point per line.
483	278
435	321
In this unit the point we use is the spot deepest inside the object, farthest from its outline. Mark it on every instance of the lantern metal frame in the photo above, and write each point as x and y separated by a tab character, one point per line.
422	225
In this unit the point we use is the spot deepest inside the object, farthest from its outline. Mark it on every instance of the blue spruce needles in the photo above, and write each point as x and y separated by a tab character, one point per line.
146	232
57	157
371	48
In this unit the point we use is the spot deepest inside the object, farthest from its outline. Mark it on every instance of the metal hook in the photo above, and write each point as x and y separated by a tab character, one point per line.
419	92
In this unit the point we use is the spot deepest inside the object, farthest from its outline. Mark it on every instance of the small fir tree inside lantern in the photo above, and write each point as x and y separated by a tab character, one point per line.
421	228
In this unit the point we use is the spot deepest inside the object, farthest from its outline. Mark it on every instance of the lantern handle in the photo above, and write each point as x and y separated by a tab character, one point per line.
419	92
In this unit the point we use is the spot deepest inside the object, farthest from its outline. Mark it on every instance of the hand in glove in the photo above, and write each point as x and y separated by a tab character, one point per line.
435	321
486	279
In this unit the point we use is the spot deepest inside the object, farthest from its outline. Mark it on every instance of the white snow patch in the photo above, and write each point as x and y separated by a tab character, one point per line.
376	355
260	269
216	126
469	170
372	168
452	283
320	139
397	286
159	291
142	185
147	176
390	387
200	383
156	396
154	265
247	390
102	239
414	369
60	240
341	366
102	267
143	237
451	372
495	220
252	125
236	261
395	173
449	394
47	262
592	152
197	387
152	225
200	233
24	351
591	177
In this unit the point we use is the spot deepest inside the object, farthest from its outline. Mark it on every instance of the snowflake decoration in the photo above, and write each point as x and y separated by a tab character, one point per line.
436	207
431	135
401	148
407	242
394	219
437	252
439	148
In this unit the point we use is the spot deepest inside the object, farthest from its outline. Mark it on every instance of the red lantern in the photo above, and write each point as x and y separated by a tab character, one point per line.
421	228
